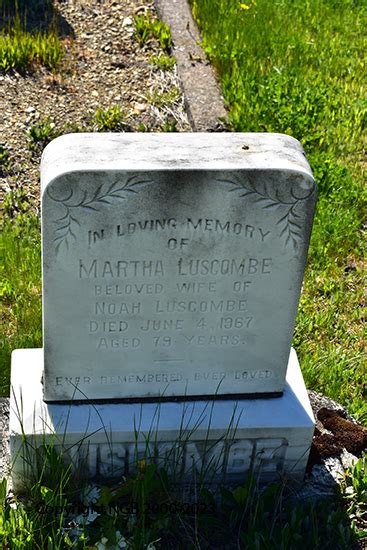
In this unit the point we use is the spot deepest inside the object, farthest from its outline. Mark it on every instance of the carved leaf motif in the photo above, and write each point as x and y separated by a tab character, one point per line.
103	195
269	199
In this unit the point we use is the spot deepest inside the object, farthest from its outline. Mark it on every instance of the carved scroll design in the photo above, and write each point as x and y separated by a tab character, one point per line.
270	199
104	194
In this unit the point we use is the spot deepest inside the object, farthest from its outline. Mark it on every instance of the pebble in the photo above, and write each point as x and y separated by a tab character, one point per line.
127	22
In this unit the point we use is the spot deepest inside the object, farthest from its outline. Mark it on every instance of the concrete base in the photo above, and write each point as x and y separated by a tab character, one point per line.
219	441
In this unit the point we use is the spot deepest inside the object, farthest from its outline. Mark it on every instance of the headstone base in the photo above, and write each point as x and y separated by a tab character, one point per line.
213	440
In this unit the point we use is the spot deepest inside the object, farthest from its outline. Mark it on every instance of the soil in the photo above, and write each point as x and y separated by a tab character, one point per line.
104	66
337	433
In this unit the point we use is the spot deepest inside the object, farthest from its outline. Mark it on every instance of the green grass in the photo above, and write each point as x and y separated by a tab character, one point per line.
29	36
21	50
147	509
40	134
243	519
112	119
163	62
4	159
147	27
158	99
297	67
20	290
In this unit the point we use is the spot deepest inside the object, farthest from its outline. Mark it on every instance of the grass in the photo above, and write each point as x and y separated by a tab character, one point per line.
298	68
29	36
163	62
134	515
112	119
148	509
40	134
20	289
147	27
161	98
4	159
20	50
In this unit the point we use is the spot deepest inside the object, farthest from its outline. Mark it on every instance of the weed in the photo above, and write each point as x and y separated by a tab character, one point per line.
163	62
148	508
354	493
4	159
146	27
16	202
112	119
141	513
151	506
159	99
40	134
169	125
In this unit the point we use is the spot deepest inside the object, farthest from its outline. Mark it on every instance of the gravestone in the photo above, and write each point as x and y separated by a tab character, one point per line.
172	269
172	265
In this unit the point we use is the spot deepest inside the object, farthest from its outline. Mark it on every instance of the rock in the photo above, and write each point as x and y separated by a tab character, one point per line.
127	22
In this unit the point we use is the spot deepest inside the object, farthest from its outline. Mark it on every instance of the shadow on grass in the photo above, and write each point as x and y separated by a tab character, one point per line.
34	16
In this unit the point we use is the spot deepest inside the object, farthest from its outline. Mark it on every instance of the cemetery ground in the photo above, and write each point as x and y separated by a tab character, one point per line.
100	82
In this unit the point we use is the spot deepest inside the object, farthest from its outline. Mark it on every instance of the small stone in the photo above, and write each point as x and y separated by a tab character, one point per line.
127	22
348	460
140	108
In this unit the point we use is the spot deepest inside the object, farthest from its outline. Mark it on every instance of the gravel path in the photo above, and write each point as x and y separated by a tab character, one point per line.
104	66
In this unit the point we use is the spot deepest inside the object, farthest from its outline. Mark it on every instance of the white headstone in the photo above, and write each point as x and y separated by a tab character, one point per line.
172	263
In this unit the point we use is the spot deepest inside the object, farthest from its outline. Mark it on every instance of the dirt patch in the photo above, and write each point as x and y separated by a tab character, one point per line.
104	66
338	433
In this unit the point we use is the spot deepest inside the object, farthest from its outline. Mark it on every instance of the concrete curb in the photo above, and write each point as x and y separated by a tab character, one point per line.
4	436
204	102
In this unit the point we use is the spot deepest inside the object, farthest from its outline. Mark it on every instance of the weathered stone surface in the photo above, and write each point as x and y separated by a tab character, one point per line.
172	263
223	439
